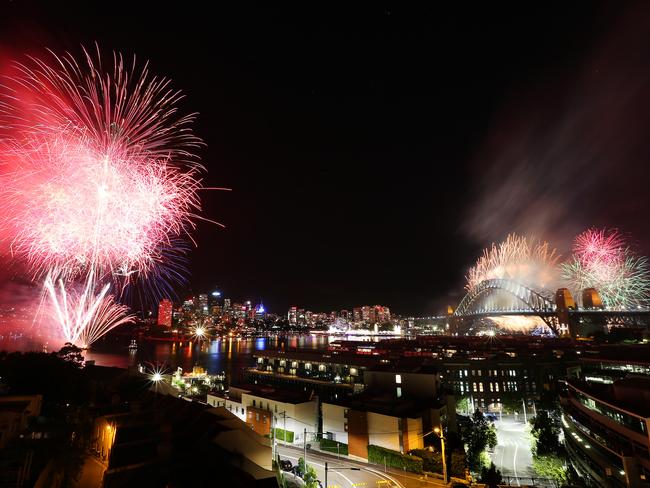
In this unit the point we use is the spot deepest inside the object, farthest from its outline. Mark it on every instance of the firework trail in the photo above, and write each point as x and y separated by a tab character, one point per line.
603	260
525	260
98	182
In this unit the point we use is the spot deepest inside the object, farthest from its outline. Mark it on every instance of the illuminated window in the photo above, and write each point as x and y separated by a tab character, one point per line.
307	366
480	386
474	386
399	392
321	367
398	379
345	426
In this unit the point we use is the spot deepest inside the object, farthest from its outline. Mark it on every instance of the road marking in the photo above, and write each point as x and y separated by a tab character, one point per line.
379	474
514	464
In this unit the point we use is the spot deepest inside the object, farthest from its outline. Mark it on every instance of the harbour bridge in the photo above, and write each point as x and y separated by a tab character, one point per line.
558	310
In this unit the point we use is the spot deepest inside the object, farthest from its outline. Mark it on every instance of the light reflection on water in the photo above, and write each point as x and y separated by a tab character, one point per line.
229	355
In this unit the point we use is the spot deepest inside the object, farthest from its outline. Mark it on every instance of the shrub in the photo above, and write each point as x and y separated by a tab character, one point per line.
432	462
394	459
283	435
331	446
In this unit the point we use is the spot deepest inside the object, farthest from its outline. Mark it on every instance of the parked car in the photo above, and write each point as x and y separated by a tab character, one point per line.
491	417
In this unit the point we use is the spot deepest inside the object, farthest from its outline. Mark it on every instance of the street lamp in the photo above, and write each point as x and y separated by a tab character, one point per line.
337	468
438	432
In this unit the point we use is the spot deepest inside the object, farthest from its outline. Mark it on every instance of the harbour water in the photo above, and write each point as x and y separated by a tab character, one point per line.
229	355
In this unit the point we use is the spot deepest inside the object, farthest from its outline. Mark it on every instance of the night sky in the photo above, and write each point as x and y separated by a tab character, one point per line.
374	151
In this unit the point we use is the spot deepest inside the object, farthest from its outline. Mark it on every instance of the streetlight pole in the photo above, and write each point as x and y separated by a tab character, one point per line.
438	431
304	448
523	404
339	467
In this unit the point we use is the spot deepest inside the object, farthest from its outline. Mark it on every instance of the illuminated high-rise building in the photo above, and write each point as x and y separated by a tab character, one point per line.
202	304
226	304
356	314
165	308
292	315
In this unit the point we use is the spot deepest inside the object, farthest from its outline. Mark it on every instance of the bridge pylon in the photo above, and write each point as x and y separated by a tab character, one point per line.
564	303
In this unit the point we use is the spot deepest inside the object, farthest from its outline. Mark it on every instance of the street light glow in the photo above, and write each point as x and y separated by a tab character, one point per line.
156	377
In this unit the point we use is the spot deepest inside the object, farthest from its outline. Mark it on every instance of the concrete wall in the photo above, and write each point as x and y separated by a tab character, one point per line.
335	421
413	434
236	408
383	431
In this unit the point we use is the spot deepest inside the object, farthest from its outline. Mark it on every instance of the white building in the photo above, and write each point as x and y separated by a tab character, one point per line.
266	408
230	403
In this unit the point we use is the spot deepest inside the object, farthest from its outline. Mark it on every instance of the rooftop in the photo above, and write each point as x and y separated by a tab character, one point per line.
271	393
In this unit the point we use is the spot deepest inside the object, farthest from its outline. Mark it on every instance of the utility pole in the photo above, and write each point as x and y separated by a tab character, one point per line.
304	448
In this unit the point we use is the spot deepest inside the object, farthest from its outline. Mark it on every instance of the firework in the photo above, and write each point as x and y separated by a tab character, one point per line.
525	260
603	260
85	316
98	183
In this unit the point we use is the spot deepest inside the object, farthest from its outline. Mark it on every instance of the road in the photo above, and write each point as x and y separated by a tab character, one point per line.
368	475
513	456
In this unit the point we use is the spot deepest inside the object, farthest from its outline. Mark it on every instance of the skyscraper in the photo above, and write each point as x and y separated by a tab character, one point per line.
165	313
203	304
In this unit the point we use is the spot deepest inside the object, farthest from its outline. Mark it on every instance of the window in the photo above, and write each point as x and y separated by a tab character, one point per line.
345	413
398	379
480	386
480	372
276	408
264	419
253	402
474	386
308	366
345	426
399	392
321	367
257	417
353	371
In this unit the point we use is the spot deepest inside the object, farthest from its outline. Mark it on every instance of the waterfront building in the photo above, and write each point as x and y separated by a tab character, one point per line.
606	416
165	310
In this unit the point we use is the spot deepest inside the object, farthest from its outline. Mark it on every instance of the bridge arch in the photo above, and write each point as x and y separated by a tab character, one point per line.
537	303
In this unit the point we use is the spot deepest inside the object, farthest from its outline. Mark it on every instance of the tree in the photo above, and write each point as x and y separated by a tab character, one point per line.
463	404
71	353
308	474
551	467
491	476
479	435
545	433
